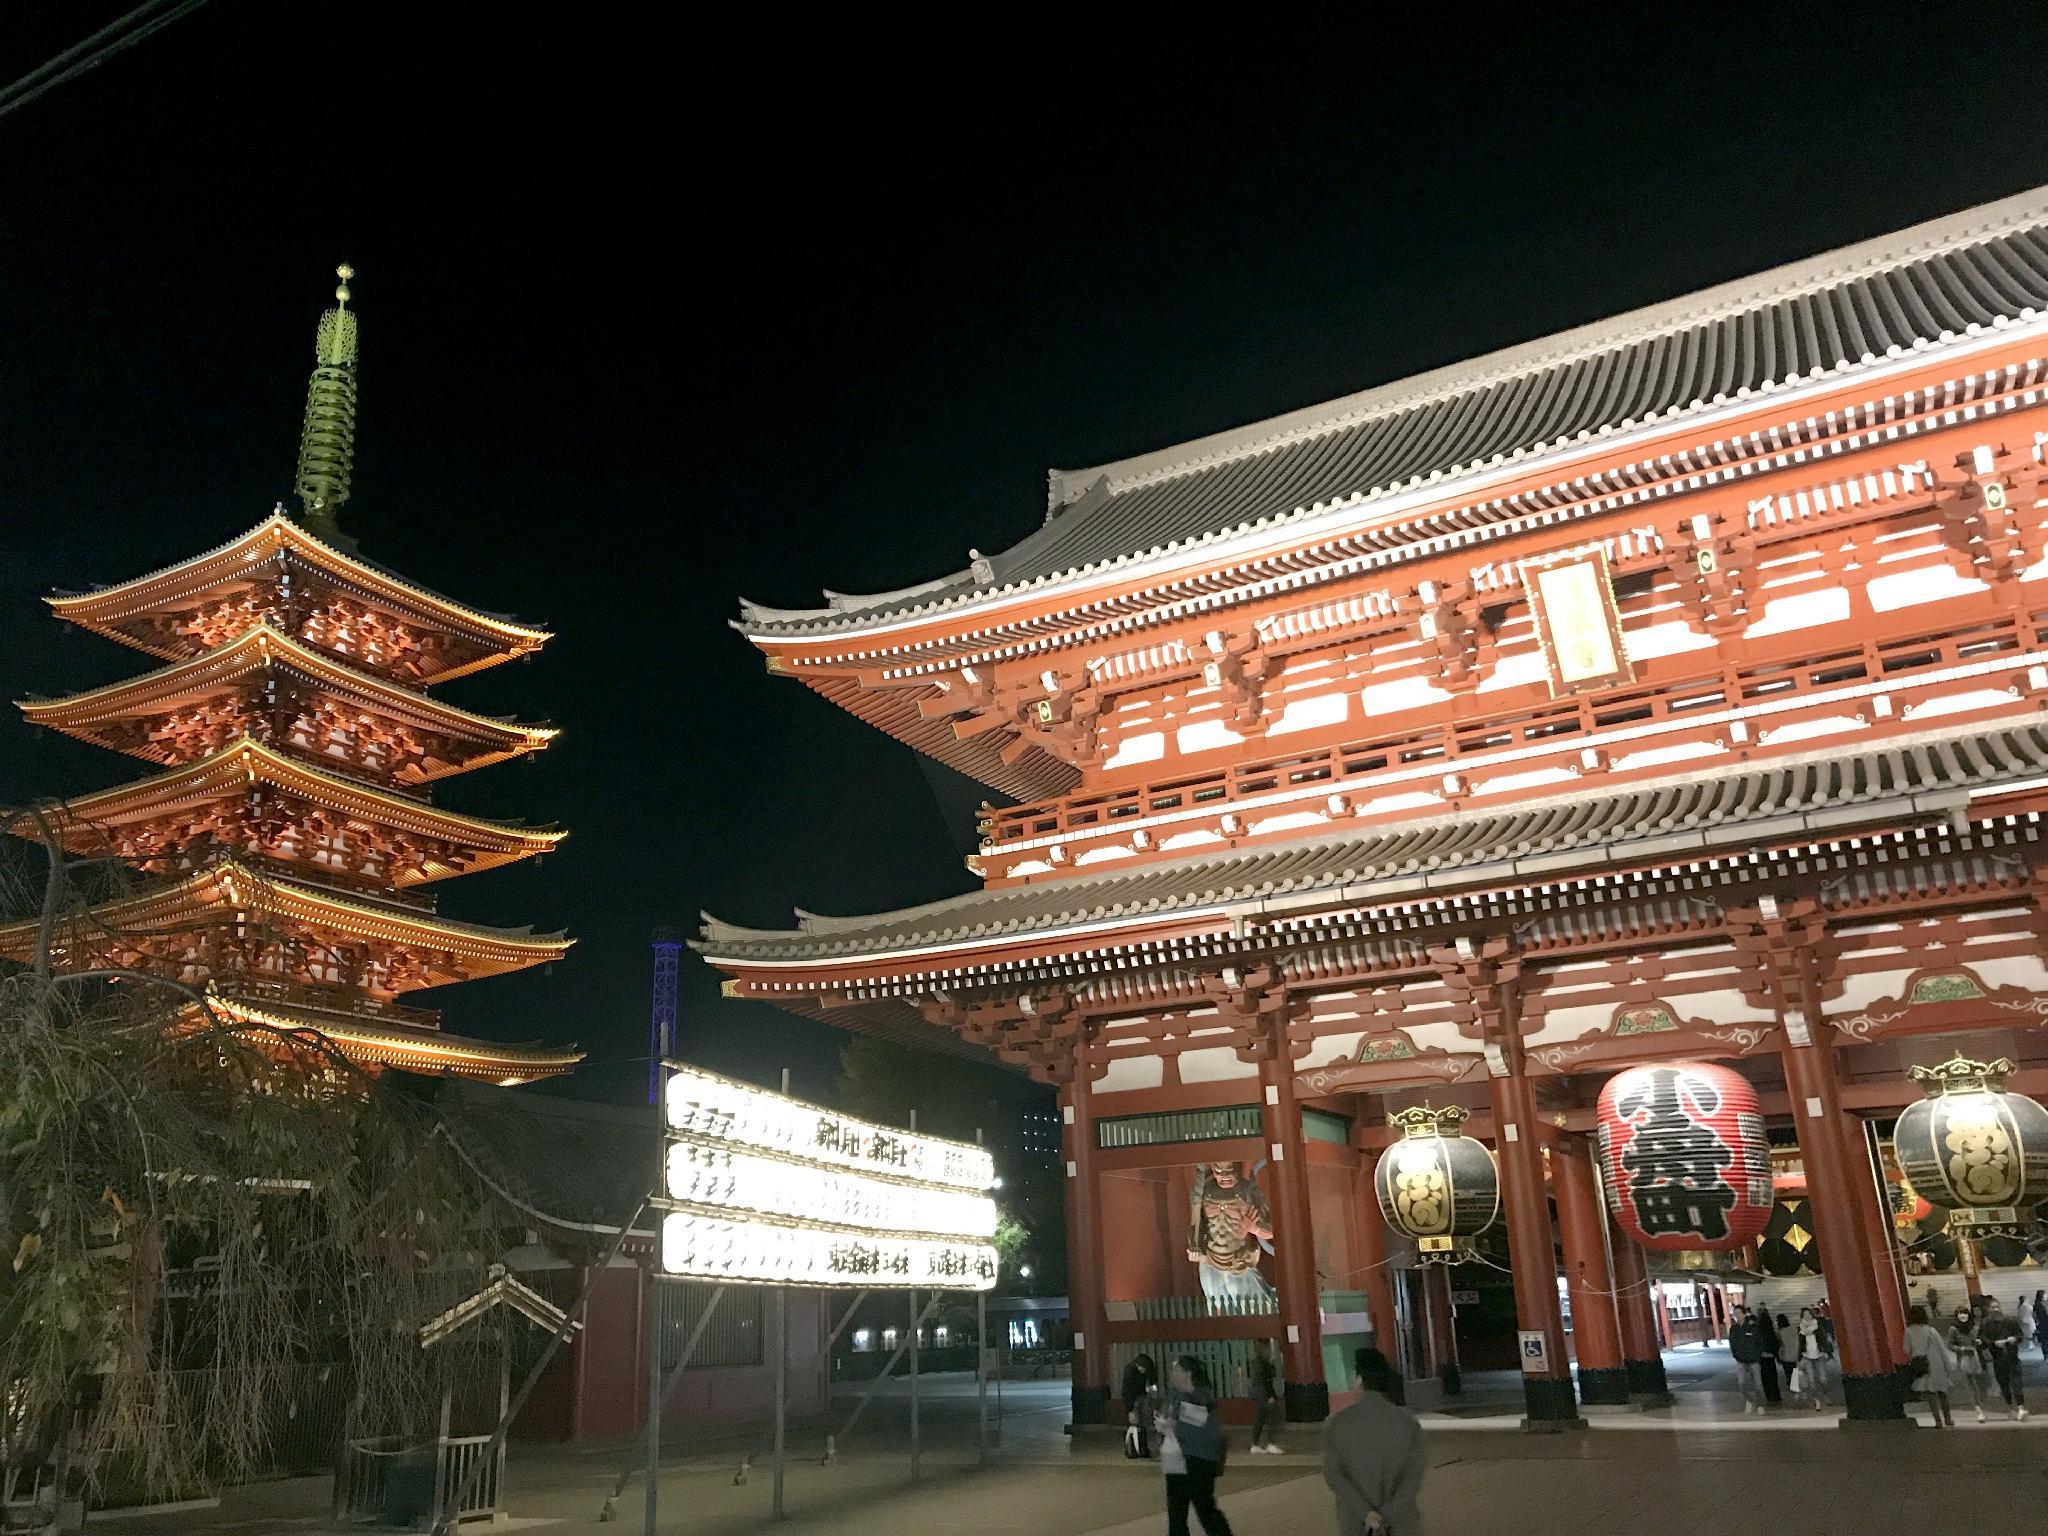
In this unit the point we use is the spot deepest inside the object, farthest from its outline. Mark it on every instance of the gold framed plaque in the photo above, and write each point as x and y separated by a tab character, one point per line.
1578	626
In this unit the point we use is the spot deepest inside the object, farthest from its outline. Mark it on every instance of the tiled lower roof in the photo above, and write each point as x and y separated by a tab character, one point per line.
1821	794
1923	287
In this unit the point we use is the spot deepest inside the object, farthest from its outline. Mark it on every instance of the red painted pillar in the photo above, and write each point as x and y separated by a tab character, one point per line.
1294	1247
1882	1240
1546	1373
1374	1278
1642	1348
1443	1325
1596	1327
1837	1188
1084	1244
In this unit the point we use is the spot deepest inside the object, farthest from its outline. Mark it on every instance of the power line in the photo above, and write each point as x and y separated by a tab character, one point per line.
95	50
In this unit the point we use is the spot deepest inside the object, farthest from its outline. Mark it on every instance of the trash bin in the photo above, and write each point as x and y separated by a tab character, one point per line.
409	1487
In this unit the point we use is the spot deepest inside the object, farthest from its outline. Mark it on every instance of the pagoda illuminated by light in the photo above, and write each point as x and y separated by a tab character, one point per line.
288	845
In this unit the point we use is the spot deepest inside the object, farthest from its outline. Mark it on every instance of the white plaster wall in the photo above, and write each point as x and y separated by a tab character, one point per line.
1132	1072
1217	1066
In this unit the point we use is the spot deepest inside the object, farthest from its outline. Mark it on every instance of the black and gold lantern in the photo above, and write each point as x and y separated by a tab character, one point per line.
1975	1150
1437	1184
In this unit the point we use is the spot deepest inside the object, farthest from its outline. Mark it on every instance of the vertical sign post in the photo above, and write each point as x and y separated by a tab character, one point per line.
653	1395
781	1369
980	1364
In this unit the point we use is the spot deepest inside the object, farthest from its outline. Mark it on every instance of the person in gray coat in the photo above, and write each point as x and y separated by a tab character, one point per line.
1372	1457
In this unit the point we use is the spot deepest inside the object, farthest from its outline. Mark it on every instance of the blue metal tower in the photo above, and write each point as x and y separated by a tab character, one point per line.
661	1042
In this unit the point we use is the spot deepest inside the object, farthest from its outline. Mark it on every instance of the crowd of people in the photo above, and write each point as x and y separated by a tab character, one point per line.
1769	1349
1966	1352
1969	1352
1372	1450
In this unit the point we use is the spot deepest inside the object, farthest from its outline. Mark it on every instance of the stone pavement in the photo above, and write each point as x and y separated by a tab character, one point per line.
1670	1478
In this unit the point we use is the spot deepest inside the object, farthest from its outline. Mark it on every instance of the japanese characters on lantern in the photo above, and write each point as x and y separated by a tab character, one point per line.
1973	1149
759	1187
1685	1158
1436	1184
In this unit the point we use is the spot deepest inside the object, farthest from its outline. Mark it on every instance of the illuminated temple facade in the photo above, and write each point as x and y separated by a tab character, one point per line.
1669	689
286	841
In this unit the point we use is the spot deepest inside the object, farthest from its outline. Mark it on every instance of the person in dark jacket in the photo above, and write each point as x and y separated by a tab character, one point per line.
1141	1383
1191	1448
1265	1400
1746	1344
2000	1337
1768	1327
2041	1321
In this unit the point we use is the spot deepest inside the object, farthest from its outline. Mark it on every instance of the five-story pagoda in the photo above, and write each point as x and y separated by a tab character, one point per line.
288	845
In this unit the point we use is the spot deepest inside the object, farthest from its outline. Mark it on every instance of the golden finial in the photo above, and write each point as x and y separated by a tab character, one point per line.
344	272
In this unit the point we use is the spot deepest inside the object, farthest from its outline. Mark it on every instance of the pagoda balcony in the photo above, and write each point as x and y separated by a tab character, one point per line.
1442	764
344	1000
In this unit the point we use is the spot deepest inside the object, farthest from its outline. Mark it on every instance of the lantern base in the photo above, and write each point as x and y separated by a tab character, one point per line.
1603	1387
1646	1382
1551	1406
1091	1404
1307	1402
1873	1402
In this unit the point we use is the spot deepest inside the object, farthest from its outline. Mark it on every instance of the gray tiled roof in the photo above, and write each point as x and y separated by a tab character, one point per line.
1917	289
565	1161
1820	794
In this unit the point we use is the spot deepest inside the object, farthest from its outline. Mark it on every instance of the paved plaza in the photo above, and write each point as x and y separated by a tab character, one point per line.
1691	1469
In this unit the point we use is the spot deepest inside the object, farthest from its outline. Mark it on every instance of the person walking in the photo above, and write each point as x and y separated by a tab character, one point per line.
1933	1367
2040	1311
1769	1361
1372	1457
2000	1336
1788	1360
1266	1410
1746	1344
1971	1363
1816	1354
1191	1448
1140	1385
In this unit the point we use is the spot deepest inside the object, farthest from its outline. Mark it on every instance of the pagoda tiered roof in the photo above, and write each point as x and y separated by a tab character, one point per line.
1910	780
85	823
128	716
231	893
1476	426
197	604
372	1041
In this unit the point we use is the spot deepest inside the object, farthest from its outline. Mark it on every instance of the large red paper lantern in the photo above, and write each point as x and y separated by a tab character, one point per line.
1686	1160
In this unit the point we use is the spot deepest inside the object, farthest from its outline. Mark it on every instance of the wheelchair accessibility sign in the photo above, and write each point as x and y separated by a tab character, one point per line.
1535	1353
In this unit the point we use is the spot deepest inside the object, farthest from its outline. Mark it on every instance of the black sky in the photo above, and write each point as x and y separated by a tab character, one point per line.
653	318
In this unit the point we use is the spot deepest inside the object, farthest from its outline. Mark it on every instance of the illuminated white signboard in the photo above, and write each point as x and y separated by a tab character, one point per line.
765	1188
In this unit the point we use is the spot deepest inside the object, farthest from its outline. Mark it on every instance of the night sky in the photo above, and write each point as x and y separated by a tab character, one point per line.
654	319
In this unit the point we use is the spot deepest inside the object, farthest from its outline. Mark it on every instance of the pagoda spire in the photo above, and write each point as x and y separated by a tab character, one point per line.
327	446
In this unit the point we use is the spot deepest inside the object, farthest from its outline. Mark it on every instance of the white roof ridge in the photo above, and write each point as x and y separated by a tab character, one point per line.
1949	232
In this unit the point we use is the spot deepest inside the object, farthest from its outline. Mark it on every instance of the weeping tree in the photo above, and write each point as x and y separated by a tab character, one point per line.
191	1212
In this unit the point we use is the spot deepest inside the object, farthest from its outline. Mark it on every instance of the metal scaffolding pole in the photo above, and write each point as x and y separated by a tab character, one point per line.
887	1366
781	1388
916	1447
653	1398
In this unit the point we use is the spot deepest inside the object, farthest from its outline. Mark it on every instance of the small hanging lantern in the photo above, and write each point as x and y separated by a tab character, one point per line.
1975	1150
1686	1161
1436	1184
1909	1206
